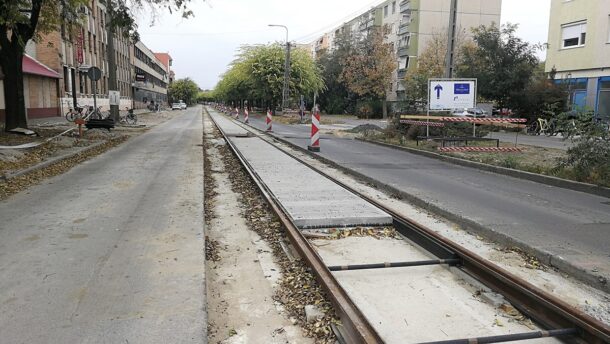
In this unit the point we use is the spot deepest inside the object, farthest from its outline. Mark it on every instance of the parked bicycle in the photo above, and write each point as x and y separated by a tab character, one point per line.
96	113
543	126
76	112
129	118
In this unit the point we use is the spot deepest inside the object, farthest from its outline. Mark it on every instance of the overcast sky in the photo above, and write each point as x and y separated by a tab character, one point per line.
203	46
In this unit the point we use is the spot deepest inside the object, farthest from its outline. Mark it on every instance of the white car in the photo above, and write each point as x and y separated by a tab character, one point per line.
176	106
182	105
473	112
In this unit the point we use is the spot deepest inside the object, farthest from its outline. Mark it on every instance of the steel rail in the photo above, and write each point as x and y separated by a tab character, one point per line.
544	308
357	327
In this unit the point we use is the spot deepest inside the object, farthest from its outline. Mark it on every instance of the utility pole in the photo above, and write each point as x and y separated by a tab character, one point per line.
451	39
285	90
112	82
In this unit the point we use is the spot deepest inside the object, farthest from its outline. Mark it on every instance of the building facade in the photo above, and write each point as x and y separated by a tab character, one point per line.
150	77
411	26
40	89
71	52
579	52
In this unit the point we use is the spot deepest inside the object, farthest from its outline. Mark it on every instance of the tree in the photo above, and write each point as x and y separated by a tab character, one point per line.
502	63
337	98
25	20
368	71
183	89
542	97
430	64
258	74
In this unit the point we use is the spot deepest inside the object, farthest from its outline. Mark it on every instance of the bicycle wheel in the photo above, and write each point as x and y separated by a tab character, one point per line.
533	129
70	116
131	119
551	130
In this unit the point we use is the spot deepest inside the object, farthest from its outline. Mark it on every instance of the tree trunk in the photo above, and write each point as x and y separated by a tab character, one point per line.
11	60
384	106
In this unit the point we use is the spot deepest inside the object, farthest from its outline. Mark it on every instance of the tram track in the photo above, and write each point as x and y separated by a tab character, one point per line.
556	317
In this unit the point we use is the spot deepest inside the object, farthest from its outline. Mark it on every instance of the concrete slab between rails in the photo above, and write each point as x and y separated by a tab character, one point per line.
586	271
311	200
229	127
535	177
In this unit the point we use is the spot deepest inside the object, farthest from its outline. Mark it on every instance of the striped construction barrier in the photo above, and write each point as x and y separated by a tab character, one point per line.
315	132
480	149
236	113
482	120
422	123
246	116
269	121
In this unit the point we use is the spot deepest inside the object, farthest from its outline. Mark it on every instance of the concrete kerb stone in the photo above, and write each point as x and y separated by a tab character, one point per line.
539	178
547	258
49	162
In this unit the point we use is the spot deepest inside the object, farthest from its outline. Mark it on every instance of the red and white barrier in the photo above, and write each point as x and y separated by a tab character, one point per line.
315	132
269	121
422	123
246	116
480	149
481	120
236	113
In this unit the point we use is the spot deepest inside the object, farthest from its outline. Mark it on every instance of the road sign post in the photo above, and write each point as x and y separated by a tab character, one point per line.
94	74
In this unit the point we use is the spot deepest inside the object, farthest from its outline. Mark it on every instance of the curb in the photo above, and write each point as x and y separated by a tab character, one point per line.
52	161
535	177
596	281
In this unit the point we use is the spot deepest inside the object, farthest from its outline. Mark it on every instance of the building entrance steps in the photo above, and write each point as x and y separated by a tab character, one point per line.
311	200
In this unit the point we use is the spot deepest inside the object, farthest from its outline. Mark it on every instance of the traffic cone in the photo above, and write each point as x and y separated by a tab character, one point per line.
246	118
269	121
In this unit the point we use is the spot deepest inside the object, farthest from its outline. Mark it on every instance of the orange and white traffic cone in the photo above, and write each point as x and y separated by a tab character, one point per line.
269	121
246	117
236	113
315	131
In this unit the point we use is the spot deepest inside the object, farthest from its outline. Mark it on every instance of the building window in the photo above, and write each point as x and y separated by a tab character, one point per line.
385	11
573	35
393	7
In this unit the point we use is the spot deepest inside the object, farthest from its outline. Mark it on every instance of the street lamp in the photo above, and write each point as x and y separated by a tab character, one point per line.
286	68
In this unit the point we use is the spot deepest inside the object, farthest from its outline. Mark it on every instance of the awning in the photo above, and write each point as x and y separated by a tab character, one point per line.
32	66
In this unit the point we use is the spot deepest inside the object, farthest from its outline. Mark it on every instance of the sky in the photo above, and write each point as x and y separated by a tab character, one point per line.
203	46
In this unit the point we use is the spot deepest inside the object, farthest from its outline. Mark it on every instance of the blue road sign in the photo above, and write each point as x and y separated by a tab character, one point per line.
461	89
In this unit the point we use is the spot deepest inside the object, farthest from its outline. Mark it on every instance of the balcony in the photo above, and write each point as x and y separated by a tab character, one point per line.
403	29
403	51
405	6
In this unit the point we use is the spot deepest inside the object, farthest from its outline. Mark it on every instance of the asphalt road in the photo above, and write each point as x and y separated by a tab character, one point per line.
111	251
568	224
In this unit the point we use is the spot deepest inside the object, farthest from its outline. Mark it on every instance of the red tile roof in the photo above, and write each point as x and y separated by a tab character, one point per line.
32	66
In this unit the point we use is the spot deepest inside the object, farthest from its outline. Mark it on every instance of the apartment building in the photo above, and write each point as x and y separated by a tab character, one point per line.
72	52
420	20
412	24
150	77
167	60
579	52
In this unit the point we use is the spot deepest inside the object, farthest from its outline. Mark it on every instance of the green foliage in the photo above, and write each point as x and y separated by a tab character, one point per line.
588	160
368	71
183	89
205	96
258	73
502	63
542	97
337	98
